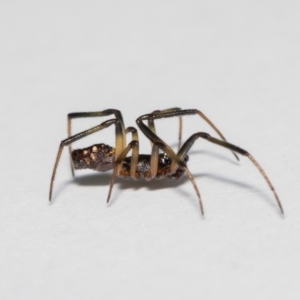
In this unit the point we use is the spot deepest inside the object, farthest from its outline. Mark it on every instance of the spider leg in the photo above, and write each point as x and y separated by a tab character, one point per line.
166	148
189	143
107	112
152	126
154	161
135	153
173	113
134	146
119	143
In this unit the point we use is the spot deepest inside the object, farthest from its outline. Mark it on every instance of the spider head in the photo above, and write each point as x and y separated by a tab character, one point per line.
99	157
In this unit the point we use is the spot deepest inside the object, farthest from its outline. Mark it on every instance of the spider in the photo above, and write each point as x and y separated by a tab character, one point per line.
168	164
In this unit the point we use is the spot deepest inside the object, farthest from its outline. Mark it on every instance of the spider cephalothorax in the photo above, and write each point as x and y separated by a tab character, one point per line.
143	169
168	164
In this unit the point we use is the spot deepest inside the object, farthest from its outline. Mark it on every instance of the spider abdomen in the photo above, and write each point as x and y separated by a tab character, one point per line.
99	157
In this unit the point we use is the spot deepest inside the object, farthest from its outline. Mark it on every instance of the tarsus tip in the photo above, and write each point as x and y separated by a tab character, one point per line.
237	158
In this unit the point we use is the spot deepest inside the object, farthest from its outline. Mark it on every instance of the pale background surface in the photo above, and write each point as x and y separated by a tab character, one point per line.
236	61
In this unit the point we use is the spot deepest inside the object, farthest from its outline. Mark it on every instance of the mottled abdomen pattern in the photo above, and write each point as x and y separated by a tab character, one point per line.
100	157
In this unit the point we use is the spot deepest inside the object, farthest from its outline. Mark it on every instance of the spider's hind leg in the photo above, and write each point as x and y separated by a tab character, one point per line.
120	137
120	141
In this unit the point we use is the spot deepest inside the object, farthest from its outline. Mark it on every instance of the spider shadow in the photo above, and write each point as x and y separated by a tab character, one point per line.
103	179
267	197
127	183
155	185
135	185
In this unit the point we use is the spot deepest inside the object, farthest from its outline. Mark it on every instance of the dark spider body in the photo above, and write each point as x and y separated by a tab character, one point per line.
163	162
101	157
143	169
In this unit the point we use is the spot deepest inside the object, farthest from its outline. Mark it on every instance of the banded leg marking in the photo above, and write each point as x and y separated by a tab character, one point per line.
189	143
120	131
77	137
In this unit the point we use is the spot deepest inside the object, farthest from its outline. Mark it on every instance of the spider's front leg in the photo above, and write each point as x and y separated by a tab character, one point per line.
189	143
150	132
158	143
151	124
